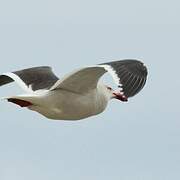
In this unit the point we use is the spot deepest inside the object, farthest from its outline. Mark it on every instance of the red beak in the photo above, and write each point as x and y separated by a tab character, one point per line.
120	97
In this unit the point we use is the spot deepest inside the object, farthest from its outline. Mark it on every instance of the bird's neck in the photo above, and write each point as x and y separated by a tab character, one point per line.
104	92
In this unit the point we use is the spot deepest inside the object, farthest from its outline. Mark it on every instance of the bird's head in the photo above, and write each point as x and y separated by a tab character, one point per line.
116	94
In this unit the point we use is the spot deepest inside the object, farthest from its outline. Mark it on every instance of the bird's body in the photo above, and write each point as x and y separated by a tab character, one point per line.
55	105
79	94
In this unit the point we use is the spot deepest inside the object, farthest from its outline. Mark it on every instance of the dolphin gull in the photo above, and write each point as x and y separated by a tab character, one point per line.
79	94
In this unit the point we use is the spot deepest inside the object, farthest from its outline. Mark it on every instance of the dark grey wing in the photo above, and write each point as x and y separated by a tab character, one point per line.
5	80
130	75
32	78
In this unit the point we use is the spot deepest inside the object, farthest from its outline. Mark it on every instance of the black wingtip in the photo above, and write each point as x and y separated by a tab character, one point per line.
131	73
134	77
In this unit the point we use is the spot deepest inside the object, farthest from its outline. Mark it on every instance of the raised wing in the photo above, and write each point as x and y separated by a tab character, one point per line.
129	75
31	79
81	80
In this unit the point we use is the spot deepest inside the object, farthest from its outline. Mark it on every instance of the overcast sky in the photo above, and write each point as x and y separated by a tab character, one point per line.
138	140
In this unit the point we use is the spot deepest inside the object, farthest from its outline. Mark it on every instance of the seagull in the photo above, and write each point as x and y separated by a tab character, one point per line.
79	94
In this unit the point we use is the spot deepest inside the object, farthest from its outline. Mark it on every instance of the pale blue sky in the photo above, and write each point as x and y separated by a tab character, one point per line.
138	140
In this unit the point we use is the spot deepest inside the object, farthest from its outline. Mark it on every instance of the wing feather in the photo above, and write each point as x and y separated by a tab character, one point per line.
31	79
130	75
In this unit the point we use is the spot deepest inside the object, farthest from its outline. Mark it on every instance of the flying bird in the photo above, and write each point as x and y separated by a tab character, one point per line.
79	94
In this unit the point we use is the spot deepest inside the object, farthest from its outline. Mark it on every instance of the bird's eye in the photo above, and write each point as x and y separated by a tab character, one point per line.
109	88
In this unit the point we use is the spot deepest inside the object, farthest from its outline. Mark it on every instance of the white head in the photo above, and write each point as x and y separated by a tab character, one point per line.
110	93
116	94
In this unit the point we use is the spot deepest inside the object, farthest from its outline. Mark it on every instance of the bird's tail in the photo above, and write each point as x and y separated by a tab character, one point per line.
24	100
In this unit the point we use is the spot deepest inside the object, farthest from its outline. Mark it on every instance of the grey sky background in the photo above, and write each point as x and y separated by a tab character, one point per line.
138	140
